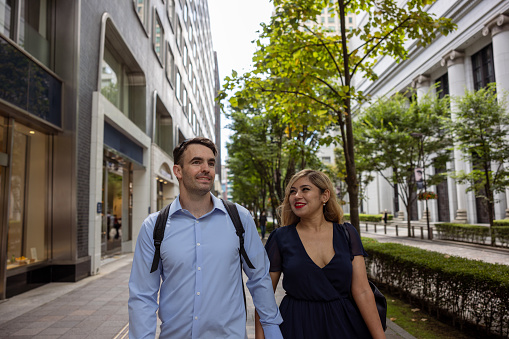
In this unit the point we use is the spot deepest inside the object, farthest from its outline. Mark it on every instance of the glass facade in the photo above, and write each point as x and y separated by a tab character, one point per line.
27	85
27	240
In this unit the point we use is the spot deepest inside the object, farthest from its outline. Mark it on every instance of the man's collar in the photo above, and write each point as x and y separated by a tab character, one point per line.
175	205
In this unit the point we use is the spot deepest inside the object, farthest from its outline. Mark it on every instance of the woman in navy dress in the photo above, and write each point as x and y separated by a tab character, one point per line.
322	269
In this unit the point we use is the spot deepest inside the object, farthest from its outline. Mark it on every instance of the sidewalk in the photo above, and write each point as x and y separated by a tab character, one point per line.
96	307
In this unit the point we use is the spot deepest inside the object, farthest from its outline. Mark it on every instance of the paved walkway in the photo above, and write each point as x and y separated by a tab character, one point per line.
96	307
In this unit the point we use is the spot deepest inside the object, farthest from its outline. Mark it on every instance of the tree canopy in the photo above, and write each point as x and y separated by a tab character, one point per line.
397	136
300	66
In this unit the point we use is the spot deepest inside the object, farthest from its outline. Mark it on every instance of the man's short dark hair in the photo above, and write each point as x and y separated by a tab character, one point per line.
179	150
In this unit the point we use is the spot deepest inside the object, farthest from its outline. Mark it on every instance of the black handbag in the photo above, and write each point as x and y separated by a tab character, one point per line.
381	302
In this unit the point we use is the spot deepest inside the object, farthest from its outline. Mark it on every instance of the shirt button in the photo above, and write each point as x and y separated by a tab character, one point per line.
195	318
199	268
198	244
197	293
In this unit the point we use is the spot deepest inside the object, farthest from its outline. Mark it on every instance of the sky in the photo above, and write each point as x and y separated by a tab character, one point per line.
234	24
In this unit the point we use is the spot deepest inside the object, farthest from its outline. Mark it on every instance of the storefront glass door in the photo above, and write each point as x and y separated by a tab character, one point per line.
117	183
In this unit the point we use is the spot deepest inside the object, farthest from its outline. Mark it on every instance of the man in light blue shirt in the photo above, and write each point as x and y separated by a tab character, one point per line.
199	275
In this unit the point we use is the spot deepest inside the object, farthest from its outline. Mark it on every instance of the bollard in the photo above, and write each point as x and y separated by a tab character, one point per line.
413	231
431	233
396	230
422	232
375	228
366	227
385	228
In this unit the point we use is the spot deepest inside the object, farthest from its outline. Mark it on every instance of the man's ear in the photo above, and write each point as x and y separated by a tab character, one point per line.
177	170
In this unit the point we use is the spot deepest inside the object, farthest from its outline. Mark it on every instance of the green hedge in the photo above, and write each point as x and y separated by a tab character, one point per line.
472	233
468	291
503	222
370	217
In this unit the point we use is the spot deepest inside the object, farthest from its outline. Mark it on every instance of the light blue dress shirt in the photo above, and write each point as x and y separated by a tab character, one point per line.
199	278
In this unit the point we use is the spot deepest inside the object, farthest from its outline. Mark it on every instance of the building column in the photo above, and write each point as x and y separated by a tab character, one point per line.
422	84
498	27
457	85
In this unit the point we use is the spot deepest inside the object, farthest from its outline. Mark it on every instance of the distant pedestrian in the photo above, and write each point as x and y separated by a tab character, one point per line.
263	223
385	216
197	287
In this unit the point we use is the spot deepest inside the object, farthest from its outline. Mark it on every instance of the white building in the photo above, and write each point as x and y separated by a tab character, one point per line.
470	57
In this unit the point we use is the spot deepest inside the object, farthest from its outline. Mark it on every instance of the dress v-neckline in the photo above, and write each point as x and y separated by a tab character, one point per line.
306	252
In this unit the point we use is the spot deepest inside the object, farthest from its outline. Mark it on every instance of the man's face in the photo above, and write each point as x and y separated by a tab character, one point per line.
197	170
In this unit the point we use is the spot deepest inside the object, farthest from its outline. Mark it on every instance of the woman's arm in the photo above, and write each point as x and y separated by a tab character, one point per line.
364	298
258	326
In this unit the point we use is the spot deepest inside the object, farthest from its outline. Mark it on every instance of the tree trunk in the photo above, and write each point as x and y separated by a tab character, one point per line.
408	222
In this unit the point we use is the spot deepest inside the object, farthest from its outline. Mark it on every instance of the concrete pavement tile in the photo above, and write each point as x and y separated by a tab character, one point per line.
51	318
68	324
83	312
81	330
76	336
78	318
54	331
27	332
16	324
6	333
40	324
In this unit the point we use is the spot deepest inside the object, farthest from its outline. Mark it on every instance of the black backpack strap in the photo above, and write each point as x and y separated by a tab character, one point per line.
234	215
158	236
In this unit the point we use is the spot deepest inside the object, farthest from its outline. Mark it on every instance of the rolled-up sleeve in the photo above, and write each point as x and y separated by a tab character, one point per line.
259	282
143	285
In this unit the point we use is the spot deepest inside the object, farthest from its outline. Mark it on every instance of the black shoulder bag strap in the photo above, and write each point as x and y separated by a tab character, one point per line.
234	216
380	301
158	236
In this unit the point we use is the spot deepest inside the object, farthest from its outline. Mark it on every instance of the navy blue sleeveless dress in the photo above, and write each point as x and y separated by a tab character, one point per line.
317	304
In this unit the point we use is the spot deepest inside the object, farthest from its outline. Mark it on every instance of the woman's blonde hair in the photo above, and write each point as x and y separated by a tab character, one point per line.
332	211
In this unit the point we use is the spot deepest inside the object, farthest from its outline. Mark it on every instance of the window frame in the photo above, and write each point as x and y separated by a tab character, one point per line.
160	55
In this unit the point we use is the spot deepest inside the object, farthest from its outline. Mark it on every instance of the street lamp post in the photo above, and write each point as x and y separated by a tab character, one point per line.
421	157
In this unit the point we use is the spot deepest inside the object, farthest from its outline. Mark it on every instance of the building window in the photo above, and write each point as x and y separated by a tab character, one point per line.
482	66
331	19
170	11
184	100
164	131
142	10
326	160
190	33
29	26
178	87
170	65
190	72
350	20
158	38
442	85
185	56
186	13
122	80
179	35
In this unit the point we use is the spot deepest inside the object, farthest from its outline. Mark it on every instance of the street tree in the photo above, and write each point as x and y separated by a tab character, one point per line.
267	150
300	65
388	145
481	132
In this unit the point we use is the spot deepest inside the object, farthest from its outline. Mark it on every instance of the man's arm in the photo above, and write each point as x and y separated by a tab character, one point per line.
143	285
259	281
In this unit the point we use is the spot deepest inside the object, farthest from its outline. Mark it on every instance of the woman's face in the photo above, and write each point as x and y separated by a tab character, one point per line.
306	199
